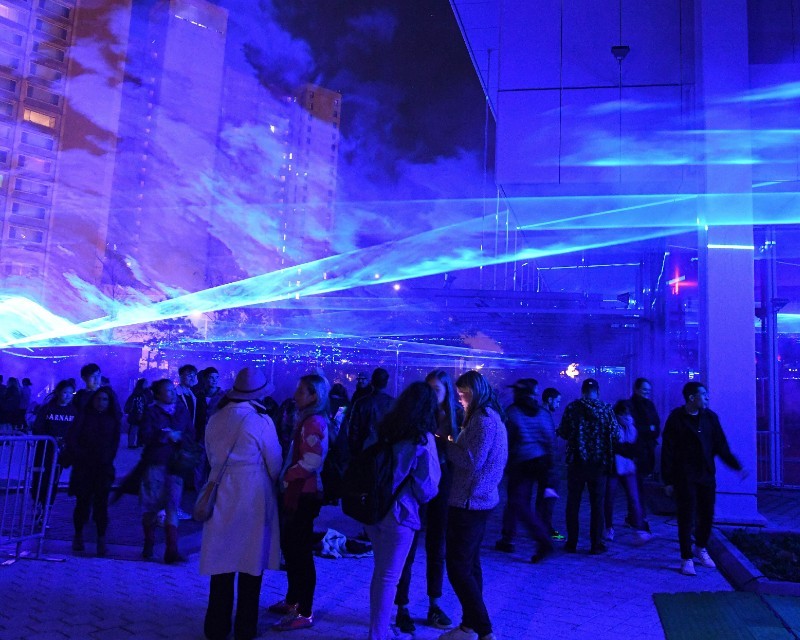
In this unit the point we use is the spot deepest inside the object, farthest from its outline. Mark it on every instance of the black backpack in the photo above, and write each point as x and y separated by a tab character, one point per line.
367	492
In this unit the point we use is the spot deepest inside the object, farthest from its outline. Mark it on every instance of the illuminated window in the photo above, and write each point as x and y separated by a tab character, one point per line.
32	187
35	164
37	93
49	51
25	233
10	13
28	210
37	117
36	140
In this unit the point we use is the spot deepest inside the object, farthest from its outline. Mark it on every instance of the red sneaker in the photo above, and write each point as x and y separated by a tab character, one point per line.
293	621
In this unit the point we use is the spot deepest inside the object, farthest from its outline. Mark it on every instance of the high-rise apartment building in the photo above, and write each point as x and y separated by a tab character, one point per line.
168	147
59	112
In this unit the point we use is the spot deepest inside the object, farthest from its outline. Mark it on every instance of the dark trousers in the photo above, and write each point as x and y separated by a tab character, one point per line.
91	498
297	544
521	478
217	624
465	529
435	523
580	475
695	503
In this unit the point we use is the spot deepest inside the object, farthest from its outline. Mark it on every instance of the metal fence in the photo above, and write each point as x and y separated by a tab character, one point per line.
28	472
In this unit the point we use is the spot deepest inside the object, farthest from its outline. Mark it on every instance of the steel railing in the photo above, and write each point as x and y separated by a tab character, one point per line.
28	472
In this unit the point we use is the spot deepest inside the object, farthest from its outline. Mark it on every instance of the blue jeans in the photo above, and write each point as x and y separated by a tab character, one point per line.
465	529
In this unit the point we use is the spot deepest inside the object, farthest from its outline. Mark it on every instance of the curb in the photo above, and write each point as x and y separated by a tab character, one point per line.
743	574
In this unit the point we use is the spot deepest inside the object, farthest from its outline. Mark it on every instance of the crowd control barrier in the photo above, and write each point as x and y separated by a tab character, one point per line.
27	475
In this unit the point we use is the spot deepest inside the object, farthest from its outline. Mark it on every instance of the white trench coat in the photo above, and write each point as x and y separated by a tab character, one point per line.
242	534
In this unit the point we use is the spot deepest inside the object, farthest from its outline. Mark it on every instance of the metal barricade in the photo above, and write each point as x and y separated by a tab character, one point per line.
28	472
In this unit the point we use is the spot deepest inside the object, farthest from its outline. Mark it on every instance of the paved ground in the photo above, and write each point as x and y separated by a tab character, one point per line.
568	596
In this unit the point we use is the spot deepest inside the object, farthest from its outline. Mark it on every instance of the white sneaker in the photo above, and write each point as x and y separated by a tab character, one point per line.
687	568
459	633
702	555
609	534
550	493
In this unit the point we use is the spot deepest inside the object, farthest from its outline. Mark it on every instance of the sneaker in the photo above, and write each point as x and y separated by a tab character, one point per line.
597	549
504	545
643	536
542	552
687	568
437	618
702	555
293	621
396	634
282	608
557	536
182	515
609	534
550	493
403	621
459	633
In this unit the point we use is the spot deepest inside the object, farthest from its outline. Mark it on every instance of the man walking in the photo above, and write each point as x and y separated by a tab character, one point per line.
693	437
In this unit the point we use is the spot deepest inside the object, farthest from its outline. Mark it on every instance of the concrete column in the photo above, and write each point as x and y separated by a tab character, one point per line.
727	319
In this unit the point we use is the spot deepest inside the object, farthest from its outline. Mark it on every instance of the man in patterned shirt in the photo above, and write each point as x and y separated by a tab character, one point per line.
591	430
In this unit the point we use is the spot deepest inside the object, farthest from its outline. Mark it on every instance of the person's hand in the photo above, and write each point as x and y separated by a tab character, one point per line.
743	474
174	435
669	490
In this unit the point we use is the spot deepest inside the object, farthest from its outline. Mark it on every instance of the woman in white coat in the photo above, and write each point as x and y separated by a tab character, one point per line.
242	535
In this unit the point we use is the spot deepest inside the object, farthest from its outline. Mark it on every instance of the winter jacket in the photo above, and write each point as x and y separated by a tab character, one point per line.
306	457
687	457
648	428
422	463
590	428
159	447
530	431
478	455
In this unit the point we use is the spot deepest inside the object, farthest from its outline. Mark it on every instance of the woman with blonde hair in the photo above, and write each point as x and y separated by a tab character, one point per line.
242	535
301	482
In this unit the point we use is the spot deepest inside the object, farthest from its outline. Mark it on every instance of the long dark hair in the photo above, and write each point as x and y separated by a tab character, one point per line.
450	404
483	396
412	416
53	395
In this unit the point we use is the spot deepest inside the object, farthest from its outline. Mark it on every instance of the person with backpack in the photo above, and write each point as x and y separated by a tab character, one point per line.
135	406
478	456
301	482
408	428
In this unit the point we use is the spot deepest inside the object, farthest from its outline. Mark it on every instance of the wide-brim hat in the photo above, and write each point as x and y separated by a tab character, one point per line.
250	384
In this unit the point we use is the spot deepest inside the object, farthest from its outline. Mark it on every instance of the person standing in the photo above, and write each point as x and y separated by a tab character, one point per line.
301	481
546	496
135	406
367	412
409	427
648	429
243	535
530	460
693	437
479	456
450	416
92	444
166	424
591	431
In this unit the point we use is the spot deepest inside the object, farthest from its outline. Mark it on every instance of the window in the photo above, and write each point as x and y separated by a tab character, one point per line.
9	37
55	8
37	117
25	233
49	51
6	109
17	269
33	163
37	93
4	156
8	61
5	132
13	14
36	140
51	29
43	72
32	187
28	210
7	84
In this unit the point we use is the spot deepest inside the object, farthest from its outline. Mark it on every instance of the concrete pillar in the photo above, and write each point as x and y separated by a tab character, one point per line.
727	324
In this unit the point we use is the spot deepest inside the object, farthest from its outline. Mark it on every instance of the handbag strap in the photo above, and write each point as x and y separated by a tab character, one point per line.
230	451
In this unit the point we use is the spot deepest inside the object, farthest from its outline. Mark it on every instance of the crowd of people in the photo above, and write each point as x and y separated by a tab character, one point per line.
451	442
